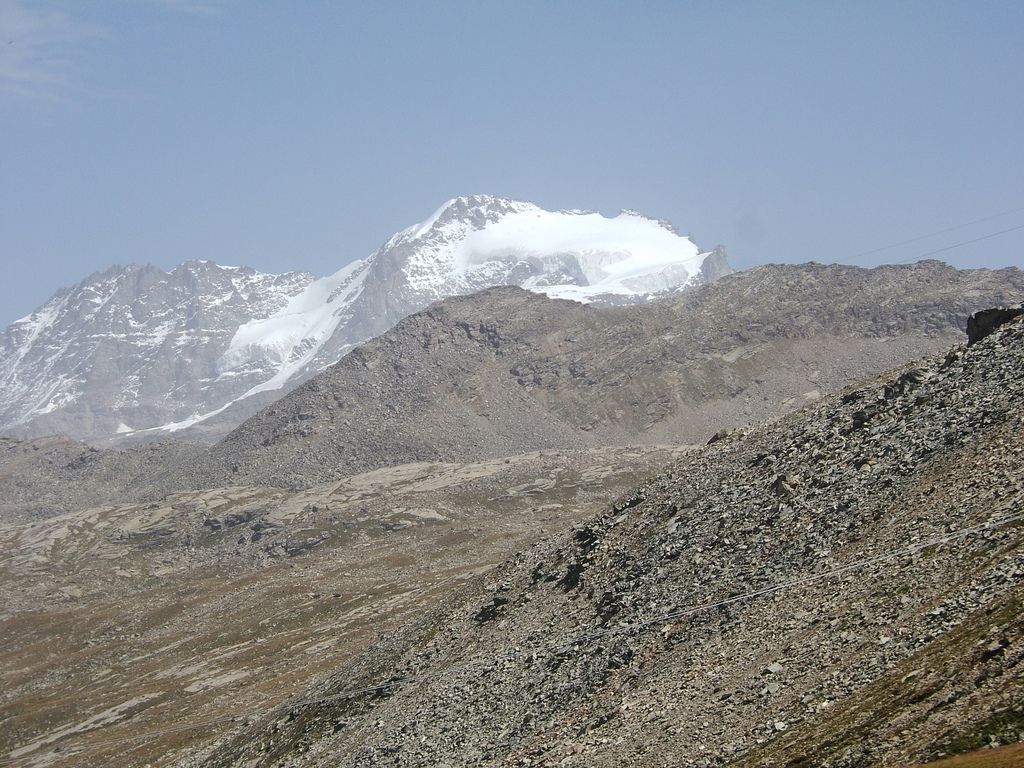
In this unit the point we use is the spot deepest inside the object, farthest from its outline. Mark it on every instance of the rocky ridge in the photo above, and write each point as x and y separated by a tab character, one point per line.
840	587
507	371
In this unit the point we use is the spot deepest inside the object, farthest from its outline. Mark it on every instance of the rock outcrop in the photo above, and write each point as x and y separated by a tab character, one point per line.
981	324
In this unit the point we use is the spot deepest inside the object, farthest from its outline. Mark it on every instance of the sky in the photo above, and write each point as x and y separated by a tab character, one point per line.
301	135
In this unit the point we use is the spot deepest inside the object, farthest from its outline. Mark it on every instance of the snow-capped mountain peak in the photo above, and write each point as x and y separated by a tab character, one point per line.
138	351
474	241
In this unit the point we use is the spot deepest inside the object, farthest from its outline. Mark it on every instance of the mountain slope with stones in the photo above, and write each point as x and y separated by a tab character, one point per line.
840	587
507	371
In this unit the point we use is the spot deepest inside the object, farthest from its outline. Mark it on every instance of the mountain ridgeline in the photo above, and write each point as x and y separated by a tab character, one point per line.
507	371
132	345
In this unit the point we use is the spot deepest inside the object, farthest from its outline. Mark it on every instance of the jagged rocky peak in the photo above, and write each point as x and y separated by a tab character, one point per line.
716	265
479	210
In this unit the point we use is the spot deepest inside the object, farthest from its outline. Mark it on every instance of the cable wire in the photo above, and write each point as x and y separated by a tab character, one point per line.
966	242
940	232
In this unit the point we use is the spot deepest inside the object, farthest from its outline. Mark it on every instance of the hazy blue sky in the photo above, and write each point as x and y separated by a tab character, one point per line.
300	135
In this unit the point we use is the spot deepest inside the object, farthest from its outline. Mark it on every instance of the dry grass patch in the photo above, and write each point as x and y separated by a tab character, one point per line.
1010	756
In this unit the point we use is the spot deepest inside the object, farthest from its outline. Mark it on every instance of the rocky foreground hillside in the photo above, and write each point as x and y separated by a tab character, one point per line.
841	587
507	371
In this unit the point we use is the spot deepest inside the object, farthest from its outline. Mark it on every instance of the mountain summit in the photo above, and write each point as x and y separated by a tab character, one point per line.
472	243
136	353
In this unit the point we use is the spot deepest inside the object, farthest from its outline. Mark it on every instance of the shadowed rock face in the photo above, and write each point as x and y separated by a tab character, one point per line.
840	587
507	371
981	324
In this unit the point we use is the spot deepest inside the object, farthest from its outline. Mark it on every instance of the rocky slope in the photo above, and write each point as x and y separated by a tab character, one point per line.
507	371
840	587
49	476
836	587
134	354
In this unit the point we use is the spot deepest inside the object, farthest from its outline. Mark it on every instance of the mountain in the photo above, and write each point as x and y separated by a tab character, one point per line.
840	587
131	346
506	371
135	354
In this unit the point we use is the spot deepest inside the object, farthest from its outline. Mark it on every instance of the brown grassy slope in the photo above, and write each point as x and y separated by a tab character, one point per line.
225	602
1009	756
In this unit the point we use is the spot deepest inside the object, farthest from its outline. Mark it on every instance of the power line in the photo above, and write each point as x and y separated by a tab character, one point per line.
578	640
940	232
966	242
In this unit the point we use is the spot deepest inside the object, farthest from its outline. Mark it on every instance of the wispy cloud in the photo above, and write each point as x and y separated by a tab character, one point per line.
38	49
